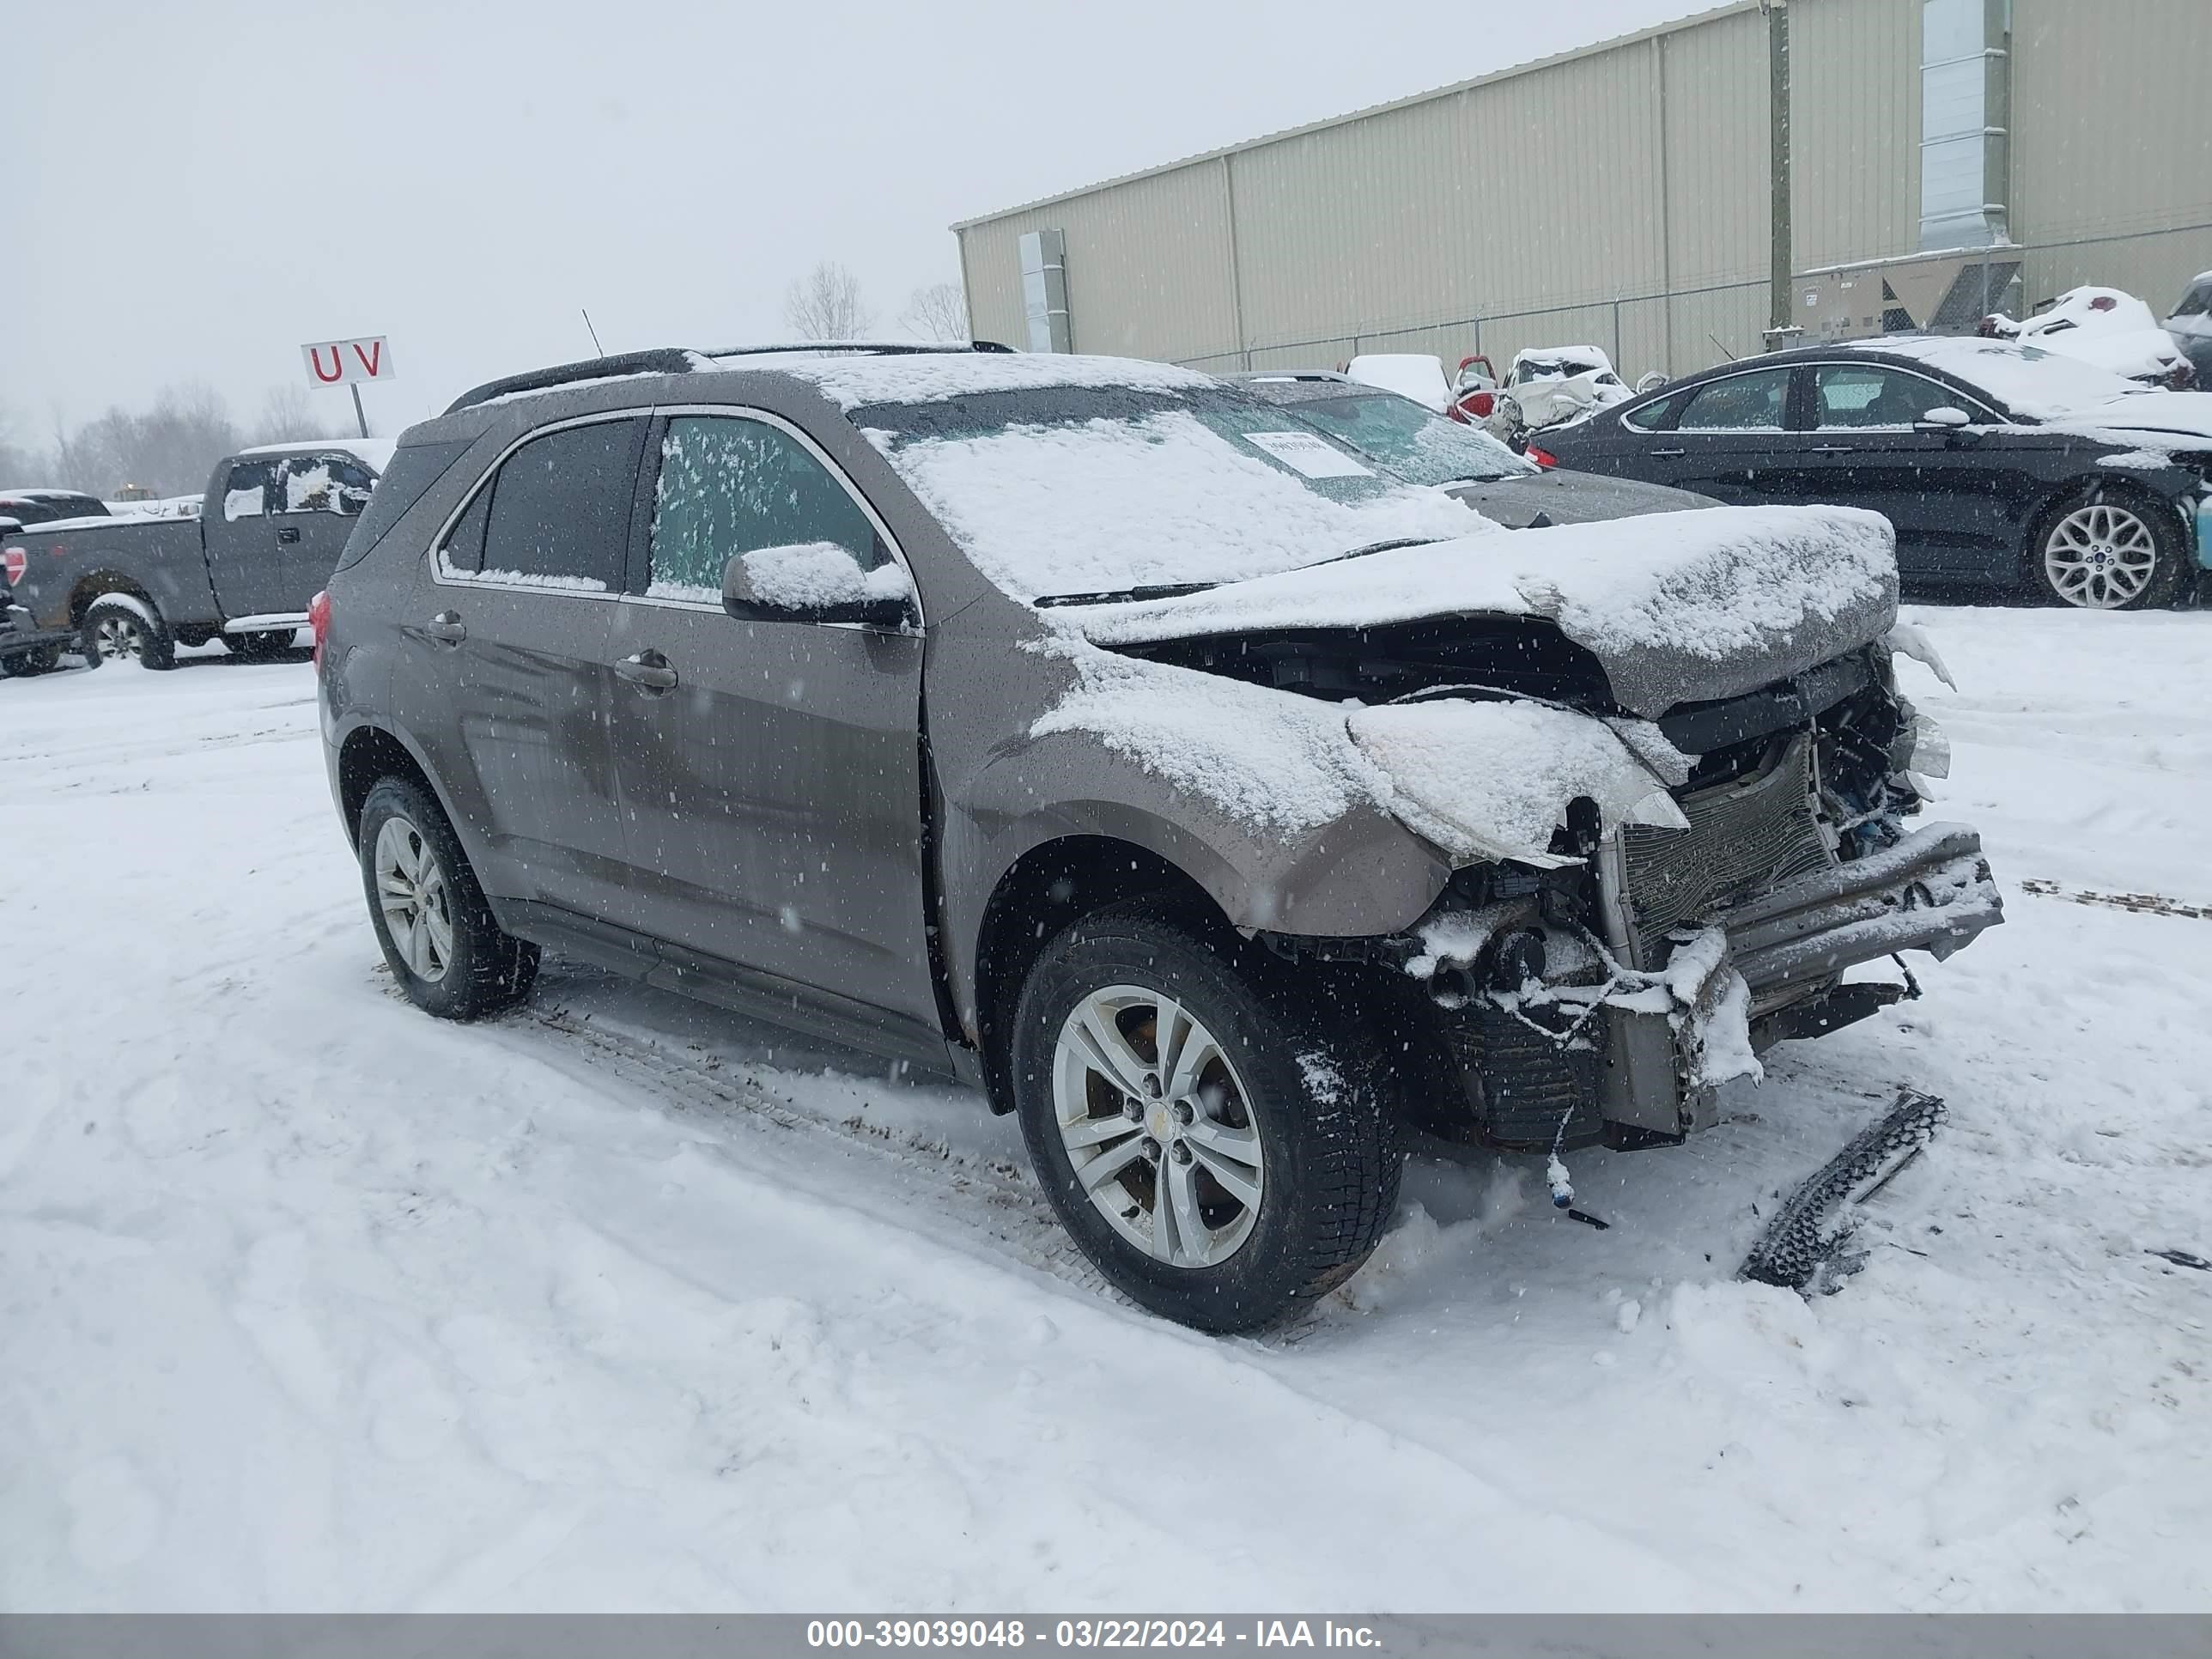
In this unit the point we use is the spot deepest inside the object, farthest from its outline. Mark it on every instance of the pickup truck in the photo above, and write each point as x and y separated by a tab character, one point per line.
274	521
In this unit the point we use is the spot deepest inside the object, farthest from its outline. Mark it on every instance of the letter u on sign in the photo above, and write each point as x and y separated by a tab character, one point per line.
342	363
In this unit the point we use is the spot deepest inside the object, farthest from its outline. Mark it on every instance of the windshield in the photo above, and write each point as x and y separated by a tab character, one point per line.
1061	490
1409	443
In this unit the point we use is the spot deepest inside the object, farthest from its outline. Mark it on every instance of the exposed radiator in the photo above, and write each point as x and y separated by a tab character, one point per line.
1746	835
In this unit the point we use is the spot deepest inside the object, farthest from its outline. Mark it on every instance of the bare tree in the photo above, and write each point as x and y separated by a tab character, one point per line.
939	312
168	449
289	414
825	304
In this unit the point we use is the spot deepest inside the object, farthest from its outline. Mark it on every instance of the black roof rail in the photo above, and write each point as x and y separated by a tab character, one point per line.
677	360
662	360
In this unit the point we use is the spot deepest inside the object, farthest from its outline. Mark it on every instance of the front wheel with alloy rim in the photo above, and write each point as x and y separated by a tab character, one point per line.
1222	1148
439	936
2110	551
120	629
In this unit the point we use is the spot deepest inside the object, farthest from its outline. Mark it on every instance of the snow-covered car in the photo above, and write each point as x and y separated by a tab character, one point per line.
1416	374
2104	327
2191	327
1998	465
1548	384
1091	730
1401	440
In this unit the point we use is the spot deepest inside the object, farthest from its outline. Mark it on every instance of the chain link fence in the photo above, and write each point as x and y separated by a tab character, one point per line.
1679	330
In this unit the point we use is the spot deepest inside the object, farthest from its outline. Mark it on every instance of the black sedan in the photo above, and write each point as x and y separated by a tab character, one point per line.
1998	464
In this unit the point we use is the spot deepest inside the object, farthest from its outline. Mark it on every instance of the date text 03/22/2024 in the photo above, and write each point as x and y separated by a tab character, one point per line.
1079	1634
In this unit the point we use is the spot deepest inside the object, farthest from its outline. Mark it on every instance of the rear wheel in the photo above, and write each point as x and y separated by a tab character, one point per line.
438	934
44	660
1221	1148
119	627
2110	551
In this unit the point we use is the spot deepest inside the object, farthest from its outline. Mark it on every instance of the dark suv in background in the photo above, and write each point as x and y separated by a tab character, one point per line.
1092	731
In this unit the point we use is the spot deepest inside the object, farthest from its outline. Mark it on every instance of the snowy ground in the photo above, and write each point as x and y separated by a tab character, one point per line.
307	1301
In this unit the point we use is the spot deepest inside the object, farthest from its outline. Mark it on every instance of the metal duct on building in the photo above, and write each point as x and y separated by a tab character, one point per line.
1044	290
1965	84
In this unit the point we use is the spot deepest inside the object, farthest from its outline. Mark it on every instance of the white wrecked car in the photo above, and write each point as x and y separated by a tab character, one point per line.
2102	325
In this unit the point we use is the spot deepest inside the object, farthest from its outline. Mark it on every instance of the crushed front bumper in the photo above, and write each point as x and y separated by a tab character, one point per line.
1633	1054
1789	948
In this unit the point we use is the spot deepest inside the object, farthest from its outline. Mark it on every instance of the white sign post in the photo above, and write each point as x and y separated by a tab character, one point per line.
348	363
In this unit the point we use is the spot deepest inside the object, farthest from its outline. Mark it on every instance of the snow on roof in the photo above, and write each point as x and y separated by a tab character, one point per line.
1416	374
374	452
2029	380
856	381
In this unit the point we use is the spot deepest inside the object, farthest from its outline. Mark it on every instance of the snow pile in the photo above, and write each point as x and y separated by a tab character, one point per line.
815	575
854	380
1112	504
1493	779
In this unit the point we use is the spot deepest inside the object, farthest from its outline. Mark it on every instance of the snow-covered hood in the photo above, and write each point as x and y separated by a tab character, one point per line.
1682	607
2186	415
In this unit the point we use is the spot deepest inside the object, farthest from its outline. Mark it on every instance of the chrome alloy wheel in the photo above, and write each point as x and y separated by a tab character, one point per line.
1157	1127
411	888
119	635
2099	557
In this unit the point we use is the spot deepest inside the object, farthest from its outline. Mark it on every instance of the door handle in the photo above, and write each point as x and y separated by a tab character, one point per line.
1830	449
447	629
1667	454
648	669
289	533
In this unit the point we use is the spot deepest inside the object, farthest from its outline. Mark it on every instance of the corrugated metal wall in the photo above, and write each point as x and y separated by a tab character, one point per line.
1552	202
2140	160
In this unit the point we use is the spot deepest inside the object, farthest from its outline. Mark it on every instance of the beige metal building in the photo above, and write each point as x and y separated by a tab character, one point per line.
1621	195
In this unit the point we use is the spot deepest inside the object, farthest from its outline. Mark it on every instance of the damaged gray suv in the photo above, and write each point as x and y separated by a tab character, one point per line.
1085	729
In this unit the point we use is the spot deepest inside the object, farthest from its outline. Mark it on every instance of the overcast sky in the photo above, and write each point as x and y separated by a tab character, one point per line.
192	190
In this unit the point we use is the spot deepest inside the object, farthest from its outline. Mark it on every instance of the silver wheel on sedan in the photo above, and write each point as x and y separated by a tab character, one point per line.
1158	1127
2101	556
412	892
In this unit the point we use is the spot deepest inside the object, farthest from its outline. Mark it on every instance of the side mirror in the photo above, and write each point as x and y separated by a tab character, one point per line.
1651	381
816	582
1944	418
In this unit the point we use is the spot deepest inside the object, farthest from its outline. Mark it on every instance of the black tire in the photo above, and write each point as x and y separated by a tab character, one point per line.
479	969
24	664
260	646
118	626
2172	570
1312	1085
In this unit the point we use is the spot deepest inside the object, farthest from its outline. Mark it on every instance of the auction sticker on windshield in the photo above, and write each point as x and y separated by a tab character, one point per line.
1305	452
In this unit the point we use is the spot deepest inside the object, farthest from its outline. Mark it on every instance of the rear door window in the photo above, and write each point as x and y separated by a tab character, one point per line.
249	490
332	481
560	509
730	485
1757	402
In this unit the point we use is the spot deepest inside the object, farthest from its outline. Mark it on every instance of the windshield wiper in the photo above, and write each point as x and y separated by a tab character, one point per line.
1177	590
1390	546
1125	595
